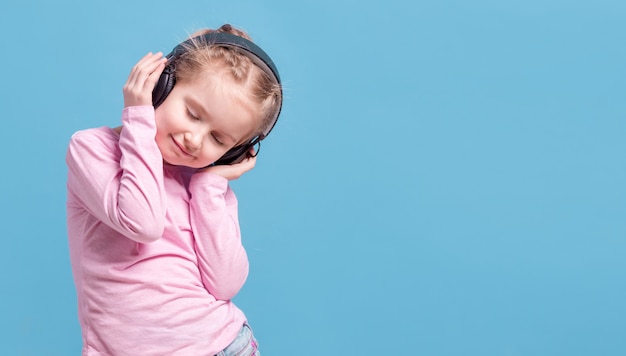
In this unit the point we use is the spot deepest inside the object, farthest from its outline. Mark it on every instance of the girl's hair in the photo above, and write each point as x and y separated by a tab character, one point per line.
261	87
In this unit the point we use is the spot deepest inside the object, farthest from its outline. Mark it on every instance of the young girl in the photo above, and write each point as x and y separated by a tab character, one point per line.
153	230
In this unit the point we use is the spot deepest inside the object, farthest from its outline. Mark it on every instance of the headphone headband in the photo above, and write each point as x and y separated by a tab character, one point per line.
242	45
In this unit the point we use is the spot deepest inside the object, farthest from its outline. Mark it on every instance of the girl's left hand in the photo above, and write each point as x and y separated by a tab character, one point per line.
233	171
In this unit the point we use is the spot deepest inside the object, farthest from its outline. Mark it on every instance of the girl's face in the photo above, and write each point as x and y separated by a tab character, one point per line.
199	121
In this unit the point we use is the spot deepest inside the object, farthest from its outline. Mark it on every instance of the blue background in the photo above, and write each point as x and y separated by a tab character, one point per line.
447	177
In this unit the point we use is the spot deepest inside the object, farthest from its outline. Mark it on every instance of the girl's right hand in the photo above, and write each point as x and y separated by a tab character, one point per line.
142	79
233	171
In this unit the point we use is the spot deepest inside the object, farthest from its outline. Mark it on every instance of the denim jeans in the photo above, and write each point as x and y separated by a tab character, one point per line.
244	345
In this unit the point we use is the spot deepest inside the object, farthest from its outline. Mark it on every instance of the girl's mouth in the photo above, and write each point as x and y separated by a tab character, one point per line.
182	148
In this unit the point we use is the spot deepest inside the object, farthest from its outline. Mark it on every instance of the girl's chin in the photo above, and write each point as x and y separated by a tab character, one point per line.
179	164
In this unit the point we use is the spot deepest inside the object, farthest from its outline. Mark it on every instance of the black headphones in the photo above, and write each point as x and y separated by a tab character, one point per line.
166	81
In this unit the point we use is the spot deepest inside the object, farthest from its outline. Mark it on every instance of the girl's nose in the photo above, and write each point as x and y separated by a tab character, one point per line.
193	141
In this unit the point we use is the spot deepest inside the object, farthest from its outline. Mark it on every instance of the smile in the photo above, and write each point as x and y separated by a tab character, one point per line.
181	148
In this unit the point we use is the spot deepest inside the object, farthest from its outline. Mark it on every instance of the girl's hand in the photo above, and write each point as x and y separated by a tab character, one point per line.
233	171
142	79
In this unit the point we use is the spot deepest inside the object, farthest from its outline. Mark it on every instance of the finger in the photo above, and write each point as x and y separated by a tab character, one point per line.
142	69
147	60
149	73
147	64
233	171
248	163
154	76
142	60
132	76
244	166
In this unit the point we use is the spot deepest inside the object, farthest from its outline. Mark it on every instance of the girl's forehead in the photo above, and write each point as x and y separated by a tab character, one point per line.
222	85
223	101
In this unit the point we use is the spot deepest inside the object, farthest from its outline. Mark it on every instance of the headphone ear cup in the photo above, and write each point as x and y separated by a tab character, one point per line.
239	153
164	85
234	155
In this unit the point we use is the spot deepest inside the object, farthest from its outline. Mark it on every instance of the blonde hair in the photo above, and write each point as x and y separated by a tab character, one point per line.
259	86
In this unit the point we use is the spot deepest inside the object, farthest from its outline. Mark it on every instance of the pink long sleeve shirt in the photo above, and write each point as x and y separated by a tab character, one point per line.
155	249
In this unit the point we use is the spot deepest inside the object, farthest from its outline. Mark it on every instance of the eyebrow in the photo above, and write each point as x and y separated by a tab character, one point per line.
196	104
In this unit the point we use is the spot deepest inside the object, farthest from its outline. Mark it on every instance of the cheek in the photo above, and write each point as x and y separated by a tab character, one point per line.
160	135
158	121
161	143
164	114
163	129
211	154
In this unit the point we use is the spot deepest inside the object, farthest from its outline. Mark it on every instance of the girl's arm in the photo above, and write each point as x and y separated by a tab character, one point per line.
222	259
121	184
122	187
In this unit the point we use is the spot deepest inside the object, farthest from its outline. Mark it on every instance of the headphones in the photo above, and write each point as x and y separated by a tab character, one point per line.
166	82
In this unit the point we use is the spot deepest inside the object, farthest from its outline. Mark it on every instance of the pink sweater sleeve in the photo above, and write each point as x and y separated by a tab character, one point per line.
121	187
222	259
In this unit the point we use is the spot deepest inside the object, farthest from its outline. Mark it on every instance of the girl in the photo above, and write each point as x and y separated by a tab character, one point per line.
153	231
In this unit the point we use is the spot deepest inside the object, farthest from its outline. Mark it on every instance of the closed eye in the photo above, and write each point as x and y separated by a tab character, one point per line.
217	140
192	116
